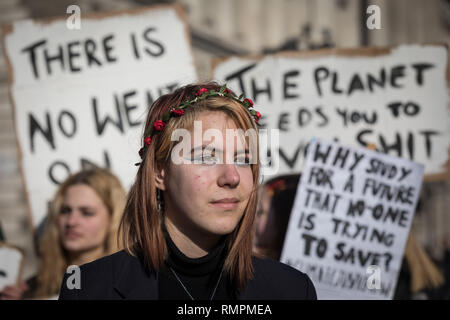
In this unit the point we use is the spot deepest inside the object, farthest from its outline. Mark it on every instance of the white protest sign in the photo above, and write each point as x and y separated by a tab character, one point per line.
81	96
350	220
11	260
396	99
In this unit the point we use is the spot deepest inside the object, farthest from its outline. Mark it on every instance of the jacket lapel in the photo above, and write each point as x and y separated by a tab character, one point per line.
132	281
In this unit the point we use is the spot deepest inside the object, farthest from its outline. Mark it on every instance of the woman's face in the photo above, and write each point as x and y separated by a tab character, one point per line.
83	220
210	198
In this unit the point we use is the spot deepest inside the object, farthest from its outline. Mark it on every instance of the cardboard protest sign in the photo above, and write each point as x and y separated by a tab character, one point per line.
80	96
396	99
11	263
350	220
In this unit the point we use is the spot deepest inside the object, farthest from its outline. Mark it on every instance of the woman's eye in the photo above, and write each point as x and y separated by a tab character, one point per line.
87	213
64	210
210	160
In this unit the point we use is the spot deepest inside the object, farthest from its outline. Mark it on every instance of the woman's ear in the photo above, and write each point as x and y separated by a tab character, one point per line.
159	179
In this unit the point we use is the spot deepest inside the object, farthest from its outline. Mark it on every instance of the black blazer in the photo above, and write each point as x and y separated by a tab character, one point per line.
122	276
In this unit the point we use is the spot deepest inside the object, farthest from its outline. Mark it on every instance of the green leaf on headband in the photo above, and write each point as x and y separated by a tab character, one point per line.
241	96
222	88
166	117
252	112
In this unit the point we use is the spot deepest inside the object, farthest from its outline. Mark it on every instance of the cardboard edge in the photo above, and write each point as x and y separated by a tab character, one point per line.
105	14
6	30
22	260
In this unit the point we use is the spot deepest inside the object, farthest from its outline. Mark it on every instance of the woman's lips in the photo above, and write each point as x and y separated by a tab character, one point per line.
72	235
226	203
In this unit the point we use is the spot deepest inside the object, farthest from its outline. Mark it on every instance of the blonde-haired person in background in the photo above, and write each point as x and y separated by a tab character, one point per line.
419	278
82	226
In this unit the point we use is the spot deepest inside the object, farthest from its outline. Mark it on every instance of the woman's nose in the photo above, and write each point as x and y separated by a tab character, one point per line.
229	176
73	219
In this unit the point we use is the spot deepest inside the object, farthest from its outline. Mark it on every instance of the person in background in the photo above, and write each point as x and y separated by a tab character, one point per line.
82	226
276	201
419	277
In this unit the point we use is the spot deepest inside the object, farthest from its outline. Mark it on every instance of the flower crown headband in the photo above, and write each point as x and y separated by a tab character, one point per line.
178	111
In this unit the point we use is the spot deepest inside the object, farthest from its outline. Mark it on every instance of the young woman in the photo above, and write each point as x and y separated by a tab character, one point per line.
188	222
82	226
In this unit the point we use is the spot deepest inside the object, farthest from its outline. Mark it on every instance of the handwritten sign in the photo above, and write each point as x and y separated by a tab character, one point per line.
395	98
350	220
80	96
11	259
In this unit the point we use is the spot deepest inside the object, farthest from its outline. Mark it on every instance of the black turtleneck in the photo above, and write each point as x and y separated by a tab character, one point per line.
199	275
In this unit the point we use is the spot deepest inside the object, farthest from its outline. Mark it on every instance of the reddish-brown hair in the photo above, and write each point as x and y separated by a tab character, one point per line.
141	223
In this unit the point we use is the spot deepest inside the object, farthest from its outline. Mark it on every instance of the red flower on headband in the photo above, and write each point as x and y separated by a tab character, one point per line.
248	102
227	91
177	112
258	116
201	91
158	125
147	141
